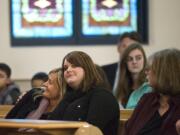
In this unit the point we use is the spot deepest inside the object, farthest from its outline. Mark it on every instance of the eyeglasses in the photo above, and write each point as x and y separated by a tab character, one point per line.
147	68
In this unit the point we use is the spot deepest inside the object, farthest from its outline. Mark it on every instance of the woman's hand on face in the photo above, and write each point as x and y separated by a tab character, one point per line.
178	127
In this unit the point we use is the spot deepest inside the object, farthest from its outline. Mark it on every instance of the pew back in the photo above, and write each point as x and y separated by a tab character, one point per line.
46	127
4	109
125	114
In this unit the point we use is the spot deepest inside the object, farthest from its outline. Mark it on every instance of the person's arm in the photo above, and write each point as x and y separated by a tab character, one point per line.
15	93
23	106
8	100
138	115
178	127
21	96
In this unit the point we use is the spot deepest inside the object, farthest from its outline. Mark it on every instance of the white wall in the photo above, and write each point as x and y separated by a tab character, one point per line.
164	28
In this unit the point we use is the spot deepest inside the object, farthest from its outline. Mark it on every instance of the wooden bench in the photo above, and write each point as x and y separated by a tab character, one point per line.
4	109
46	127
125	114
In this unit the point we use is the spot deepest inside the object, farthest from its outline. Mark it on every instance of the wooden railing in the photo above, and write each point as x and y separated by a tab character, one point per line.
46	127
4	109
124	116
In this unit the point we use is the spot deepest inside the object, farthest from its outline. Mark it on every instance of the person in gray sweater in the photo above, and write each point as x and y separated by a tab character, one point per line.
9	91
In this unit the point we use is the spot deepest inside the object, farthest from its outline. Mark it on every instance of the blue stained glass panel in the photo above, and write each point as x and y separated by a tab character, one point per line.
42	18
108	17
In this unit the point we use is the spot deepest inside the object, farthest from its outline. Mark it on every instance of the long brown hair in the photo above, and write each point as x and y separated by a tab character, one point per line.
125	82
166	69
81	59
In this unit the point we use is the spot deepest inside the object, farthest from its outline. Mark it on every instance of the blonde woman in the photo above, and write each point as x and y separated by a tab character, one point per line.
38	103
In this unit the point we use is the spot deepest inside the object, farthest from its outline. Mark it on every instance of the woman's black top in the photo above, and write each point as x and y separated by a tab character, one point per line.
153	125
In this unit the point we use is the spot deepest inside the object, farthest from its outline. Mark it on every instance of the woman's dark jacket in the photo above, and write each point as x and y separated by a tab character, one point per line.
148	105
97	106
29	102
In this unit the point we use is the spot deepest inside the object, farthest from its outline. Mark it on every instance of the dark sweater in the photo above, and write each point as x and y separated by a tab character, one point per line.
97	107
9	95
146	109
29	102
110	71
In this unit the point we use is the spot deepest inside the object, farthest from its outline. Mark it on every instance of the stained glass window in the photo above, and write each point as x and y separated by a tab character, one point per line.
113	17
48	22
42	19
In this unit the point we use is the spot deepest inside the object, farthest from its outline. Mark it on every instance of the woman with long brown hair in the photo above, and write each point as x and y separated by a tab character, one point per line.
132	79
86	99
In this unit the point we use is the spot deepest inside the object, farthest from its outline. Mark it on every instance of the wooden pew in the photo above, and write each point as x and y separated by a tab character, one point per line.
46	127
4	109
125	114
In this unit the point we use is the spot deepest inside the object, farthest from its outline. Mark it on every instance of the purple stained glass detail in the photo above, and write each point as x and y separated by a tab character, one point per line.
52	6
100	6
109	20
53	20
